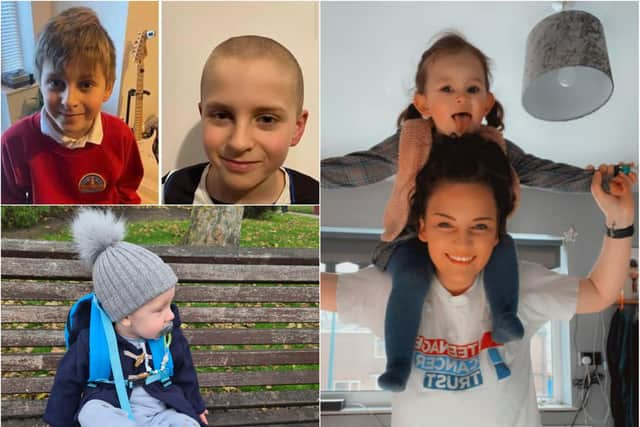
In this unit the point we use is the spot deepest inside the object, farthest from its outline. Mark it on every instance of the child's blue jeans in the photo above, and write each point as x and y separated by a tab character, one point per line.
98	413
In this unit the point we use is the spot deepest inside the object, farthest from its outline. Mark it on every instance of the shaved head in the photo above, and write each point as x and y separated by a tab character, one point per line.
256	47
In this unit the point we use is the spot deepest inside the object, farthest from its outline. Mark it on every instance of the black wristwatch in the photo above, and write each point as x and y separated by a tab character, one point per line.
620	233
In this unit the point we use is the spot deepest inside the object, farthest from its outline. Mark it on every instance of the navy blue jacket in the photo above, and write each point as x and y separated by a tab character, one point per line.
180	187
70	391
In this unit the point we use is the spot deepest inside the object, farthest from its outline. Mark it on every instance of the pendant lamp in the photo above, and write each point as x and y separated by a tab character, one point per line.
567	73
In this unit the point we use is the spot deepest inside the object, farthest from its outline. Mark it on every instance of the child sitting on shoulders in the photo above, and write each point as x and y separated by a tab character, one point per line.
452	98
459	375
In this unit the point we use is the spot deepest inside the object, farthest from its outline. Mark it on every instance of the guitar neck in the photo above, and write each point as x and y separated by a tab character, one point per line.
137	122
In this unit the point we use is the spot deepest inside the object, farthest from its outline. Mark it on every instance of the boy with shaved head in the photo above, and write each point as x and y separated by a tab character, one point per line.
251	97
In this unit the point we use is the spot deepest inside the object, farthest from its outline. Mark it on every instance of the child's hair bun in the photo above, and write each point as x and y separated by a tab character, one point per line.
94	231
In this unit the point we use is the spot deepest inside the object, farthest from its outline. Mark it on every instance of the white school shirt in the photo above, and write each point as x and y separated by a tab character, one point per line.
93	136
453	382
201	195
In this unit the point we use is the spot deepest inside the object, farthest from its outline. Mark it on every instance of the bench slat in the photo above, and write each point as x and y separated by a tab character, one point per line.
47	262
57	291
259	399
190	254
207	379
260	417
23	422
30	268
214	401
58	314
49	362
204	336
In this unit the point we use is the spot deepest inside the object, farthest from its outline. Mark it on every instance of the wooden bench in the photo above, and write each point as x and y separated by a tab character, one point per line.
255	309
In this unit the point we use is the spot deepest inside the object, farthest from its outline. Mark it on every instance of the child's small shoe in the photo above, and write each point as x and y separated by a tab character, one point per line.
395	378
507	327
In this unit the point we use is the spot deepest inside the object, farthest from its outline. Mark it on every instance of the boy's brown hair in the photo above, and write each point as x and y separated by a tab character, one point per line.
76	34
253	47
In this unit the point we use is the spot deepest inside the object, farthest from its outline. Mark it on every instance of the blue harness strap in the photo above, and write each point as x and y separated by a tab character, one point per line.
502	370
99	361
104	358
71	317
114	357
162	361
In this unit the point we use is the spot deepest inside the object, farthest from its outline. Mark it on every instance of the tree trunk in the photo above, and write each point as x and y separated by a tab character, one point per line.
215	226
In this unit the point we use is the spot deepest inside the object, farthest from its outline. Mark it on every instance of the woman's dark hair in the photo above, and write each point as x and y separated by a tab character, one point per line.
467	159
450	43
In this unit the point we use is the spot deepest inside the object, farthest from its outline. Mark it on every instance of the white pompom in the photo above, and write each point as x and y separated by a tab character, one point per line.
94	231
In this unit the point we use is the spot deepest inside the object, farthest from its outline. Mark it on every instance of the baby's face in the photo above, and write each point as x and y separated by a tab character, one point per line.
73	97
149	320
249	119
455	96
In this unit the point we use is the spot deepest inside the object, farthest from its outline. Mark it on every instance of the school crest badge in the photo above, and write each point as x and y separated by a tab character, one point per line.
91	183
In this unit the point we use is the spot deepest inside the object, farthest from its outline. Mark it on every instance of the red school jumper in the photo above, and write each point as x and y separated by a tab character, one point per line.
37	169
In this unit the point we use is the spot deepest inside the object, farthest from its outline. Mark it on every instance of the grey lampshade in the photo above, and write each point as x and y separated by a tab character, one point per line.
566	73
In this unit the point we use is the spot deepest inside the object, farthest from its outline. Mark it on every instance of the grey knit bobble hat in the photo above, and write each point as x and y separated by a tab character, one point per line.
125	276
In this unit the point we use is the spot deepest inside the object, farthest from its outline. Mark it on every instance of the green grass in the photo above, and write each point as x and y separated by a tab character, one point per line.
302	209
279	231
142	233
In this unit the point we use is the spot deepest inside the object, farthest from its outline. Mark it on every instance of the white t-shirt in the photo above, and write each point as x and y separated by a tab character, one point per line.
453	381
201	196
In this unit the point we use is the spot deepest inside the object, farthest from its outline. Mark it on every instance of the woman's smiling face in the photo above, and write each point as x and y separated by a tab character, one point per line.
460	226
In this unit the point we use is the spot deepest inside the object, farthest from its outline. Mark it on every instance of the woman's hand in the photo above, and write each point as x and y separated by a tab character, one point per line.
203	416
608	275
617	204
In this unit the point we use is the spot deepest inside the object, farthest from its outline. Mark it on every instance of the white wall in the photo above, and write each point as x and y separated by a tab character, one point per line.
192	30
370	51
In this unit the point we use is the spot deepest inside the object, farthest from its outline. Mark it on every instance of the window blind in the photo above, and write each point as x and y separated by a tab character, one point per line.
12	57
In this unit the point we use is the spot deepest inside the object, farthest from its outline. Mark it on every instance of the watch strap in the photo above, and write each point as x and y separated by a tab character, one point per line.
620	233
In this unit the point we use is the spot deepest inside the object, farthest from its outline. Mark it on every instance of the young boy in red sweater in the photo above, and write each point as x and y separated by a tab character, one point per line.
70	152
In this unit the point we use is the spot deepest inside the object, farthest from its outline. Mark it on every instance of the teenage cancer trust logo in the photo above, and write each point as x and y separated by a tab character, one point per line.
91	183
453	367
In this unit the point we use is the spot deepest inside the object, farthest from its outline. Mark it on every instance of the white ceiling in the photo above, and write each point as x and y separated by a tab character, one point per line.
369	52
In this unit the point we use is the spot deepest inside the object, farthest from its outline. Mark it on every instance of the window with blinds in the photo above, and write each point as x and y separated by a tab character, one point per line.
12	57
